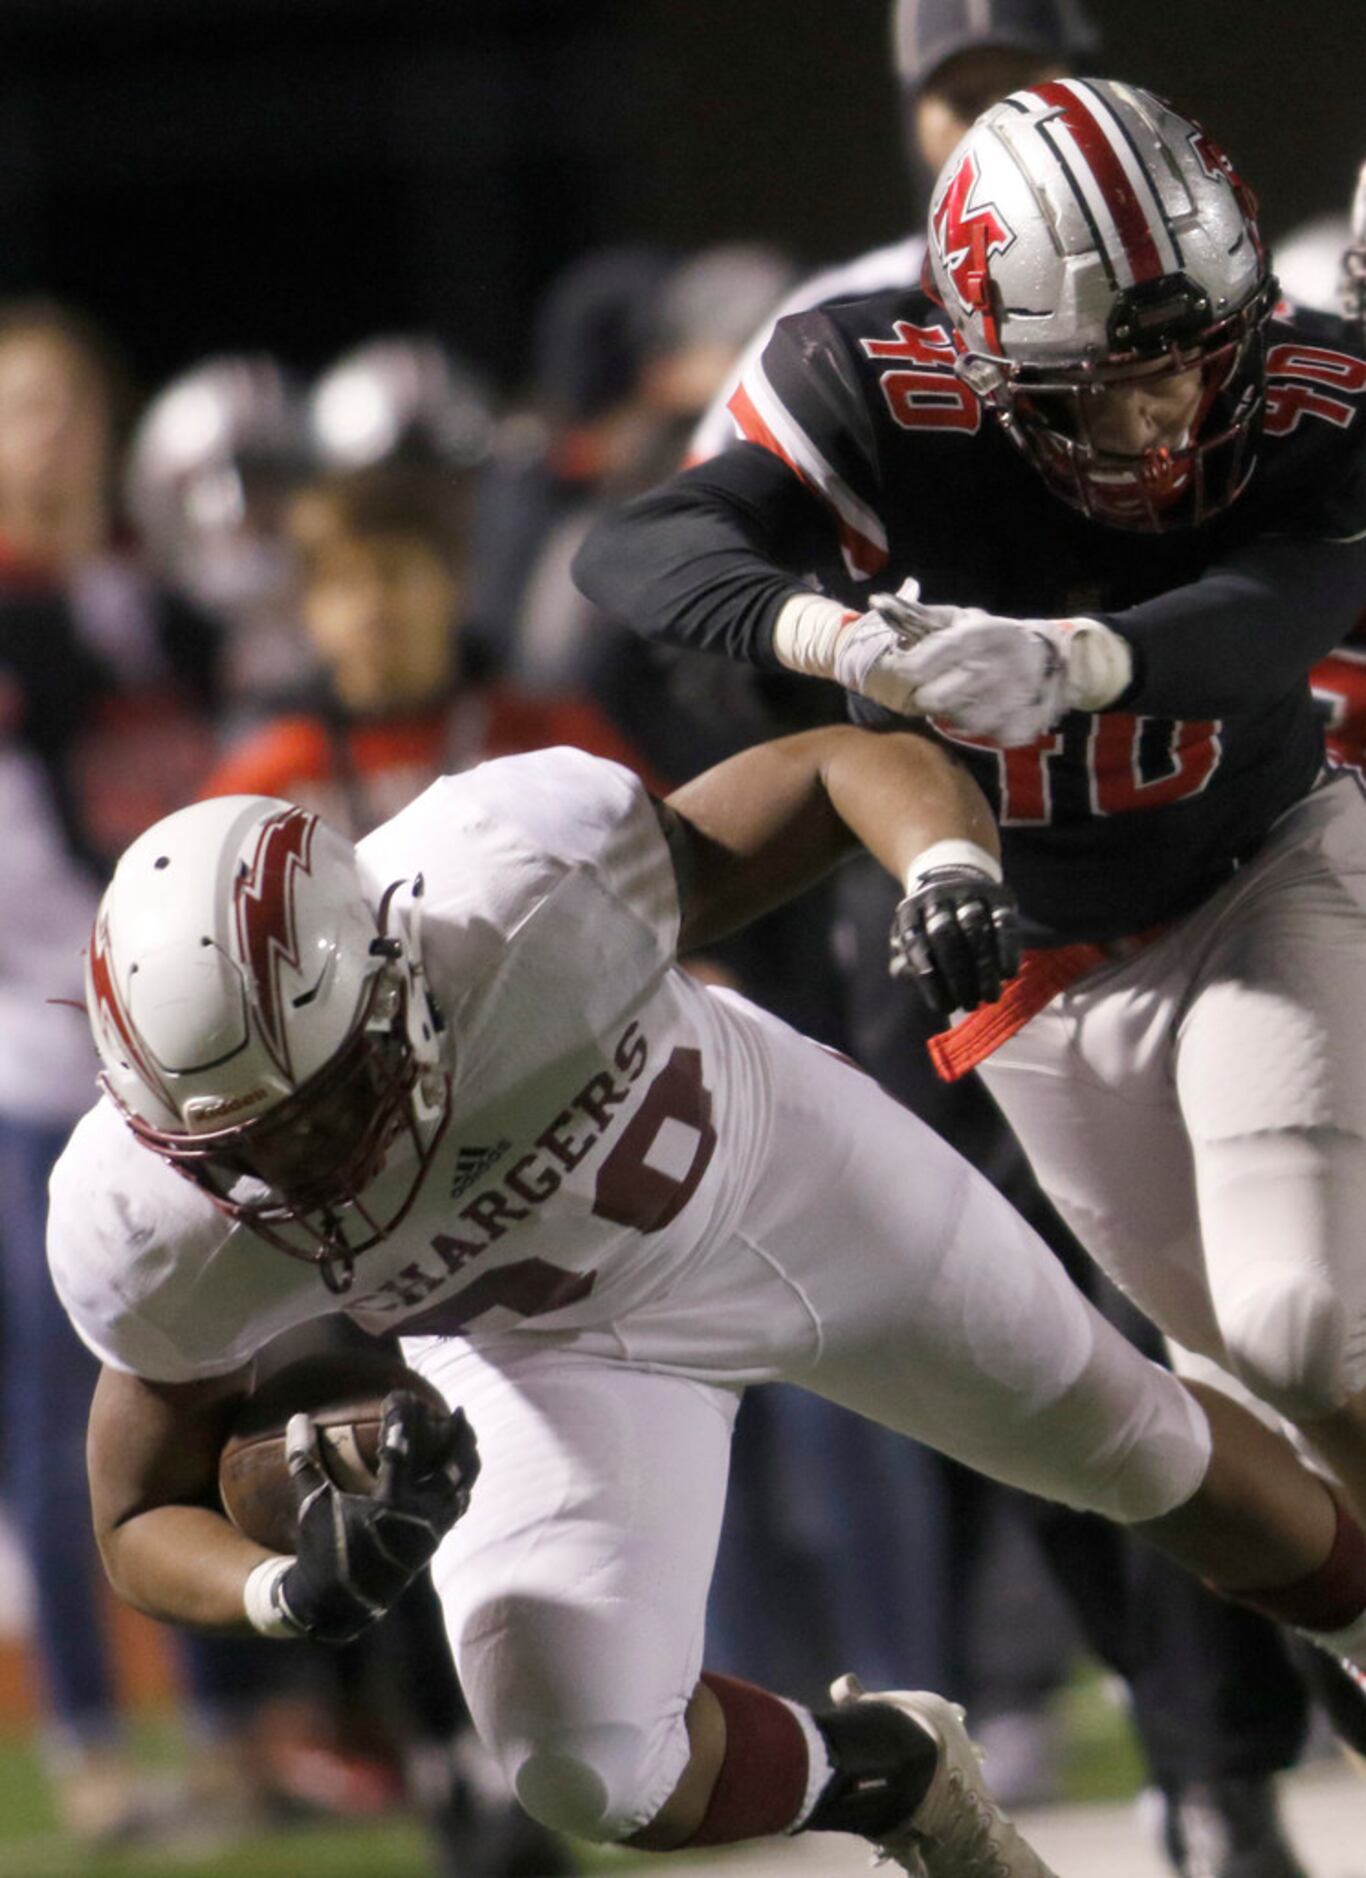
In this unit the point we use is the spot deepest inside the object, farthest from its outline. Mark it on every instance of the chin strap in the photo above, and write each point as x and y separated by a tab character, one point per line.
337	1267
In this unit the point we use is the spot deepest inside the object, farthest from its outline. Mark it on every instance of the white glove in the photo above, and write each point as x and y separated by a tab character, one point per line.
1007	680
1010	680
864	652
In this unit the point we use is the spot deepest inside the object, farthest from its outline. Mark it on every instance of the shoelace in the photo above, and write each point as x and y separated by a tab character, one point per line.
975	1852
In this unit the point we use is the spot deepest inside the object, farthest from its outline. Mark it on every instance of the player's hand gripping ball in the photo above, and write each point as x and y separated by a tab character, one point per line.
358	1487
342	1391
358	1552
956	937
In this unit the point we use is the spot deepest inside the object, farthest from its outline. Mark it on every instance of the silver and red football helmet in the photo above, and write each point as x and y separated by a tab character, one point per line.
266	1028
1090	244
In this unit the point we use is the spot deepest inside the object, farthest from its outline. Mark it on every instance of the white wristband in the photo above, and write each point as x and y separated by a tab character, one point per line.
807	631
258	1599
1099	665
951	852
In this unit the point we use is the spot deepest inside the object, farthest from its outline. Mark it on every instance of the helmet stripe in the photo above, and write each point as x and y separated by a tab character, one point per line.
108	1010
1112	184
264	903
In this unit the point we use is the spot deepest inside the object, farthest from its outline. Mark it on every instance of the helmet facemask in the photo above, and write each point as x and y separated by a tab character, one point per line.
266	1031
1100	259
301	1175
1056	414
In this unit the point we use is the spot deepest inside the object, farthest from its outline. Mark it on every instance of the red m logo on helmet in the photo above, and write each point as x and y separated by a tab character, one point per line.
966	233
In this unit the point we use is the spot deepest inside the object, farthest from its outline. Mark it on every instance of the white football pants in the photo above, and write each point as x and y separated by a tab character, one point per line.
1198	1114
870	1264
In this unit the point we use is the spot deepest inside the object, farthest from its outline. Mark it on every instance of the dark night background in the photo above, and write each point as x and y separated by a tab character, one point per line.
298	174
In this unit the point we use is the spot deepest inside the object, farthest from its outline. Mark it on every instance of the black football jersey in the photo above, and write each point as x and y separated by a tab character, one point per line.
869	461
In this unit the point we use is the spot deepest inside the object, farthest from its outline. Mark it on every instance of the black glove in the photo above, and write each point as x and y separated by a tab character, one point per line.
956	936
358	1552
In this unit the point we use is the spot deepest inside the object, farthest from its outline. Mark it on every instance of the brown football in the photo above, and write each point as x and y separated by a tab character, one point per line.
344	1393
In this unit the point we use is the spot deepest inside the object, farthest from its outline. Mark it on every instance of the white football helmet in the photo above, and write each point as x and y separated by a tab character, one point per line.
400	396
1090	245
264	1030
211	461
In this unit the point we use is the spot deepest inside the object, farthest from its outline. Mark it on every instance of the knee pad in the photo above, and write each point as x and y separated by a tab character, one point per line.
599	1783
1126	1441
1285	1332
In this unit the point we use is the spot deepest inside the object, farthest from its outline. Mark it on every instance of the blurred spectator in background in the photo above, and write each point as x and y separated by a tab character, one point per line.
570	430
107	695
211	465
381	555
630	344
409	398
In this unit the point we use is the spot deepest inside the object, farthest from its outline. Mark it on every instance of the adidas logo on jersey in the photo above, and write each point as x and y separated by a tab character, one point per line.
471	1165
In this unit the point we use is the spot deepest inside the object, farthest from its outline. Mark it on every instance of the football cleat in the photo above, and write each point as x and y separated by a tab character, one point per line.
957	1830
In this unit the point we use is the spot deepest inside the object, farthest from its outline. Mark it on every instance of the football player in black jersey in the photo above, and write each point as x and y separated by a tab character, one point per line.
1216	1702
1118	504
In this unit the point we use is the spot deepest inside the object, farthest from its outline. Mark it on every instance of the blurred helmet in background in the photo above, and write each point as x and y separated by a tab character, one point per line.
210	470
400	398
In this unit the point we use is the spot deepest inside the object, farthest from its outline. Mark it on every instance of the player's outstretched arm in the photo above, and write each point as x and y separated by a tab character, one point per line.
759	828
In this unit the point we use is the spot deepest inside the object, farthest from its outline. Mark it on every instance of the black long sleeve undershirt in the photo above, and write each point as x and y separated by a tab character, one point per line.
704	561
701	560
1248	629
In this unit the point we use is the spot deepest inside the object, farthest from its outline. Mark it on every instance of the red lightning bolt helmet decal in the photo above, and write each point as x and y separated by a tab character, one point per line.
967	234
112	1015
263	901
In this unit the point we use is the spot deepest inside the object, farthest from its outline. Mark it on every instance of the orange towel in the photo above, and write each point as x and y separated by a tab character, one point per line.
1042	976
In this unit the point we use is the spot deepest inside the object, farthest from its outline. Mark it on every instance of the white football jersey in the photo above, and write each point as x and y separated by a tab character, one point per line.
607	1115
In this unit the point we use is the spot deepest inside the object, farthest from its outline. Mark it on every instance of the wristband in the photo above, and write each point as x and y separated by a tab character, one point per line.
806	632
952	852
1100	664
266	1615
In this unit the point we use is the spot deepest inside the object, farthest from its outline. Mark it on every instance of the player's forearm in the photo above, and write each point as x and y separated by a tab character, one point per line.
698	562
770	822
183	1565
1246	630
900	793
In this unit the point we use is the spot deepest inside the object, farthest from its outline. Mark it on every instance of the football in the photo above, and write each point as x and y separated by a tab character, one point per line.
343	1391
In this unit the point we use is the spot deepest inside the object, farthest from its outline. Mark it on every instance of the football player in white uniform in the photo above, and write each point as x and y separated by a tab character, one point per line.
452	1082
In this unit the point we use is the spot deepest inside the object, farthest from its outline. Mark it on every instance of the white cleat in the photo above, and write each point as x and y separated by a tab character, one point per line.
958	1830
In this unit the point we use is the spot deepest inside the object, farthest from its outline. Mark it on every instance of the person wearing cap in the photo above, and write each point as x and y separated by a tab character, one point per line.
952	58
1218	1706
